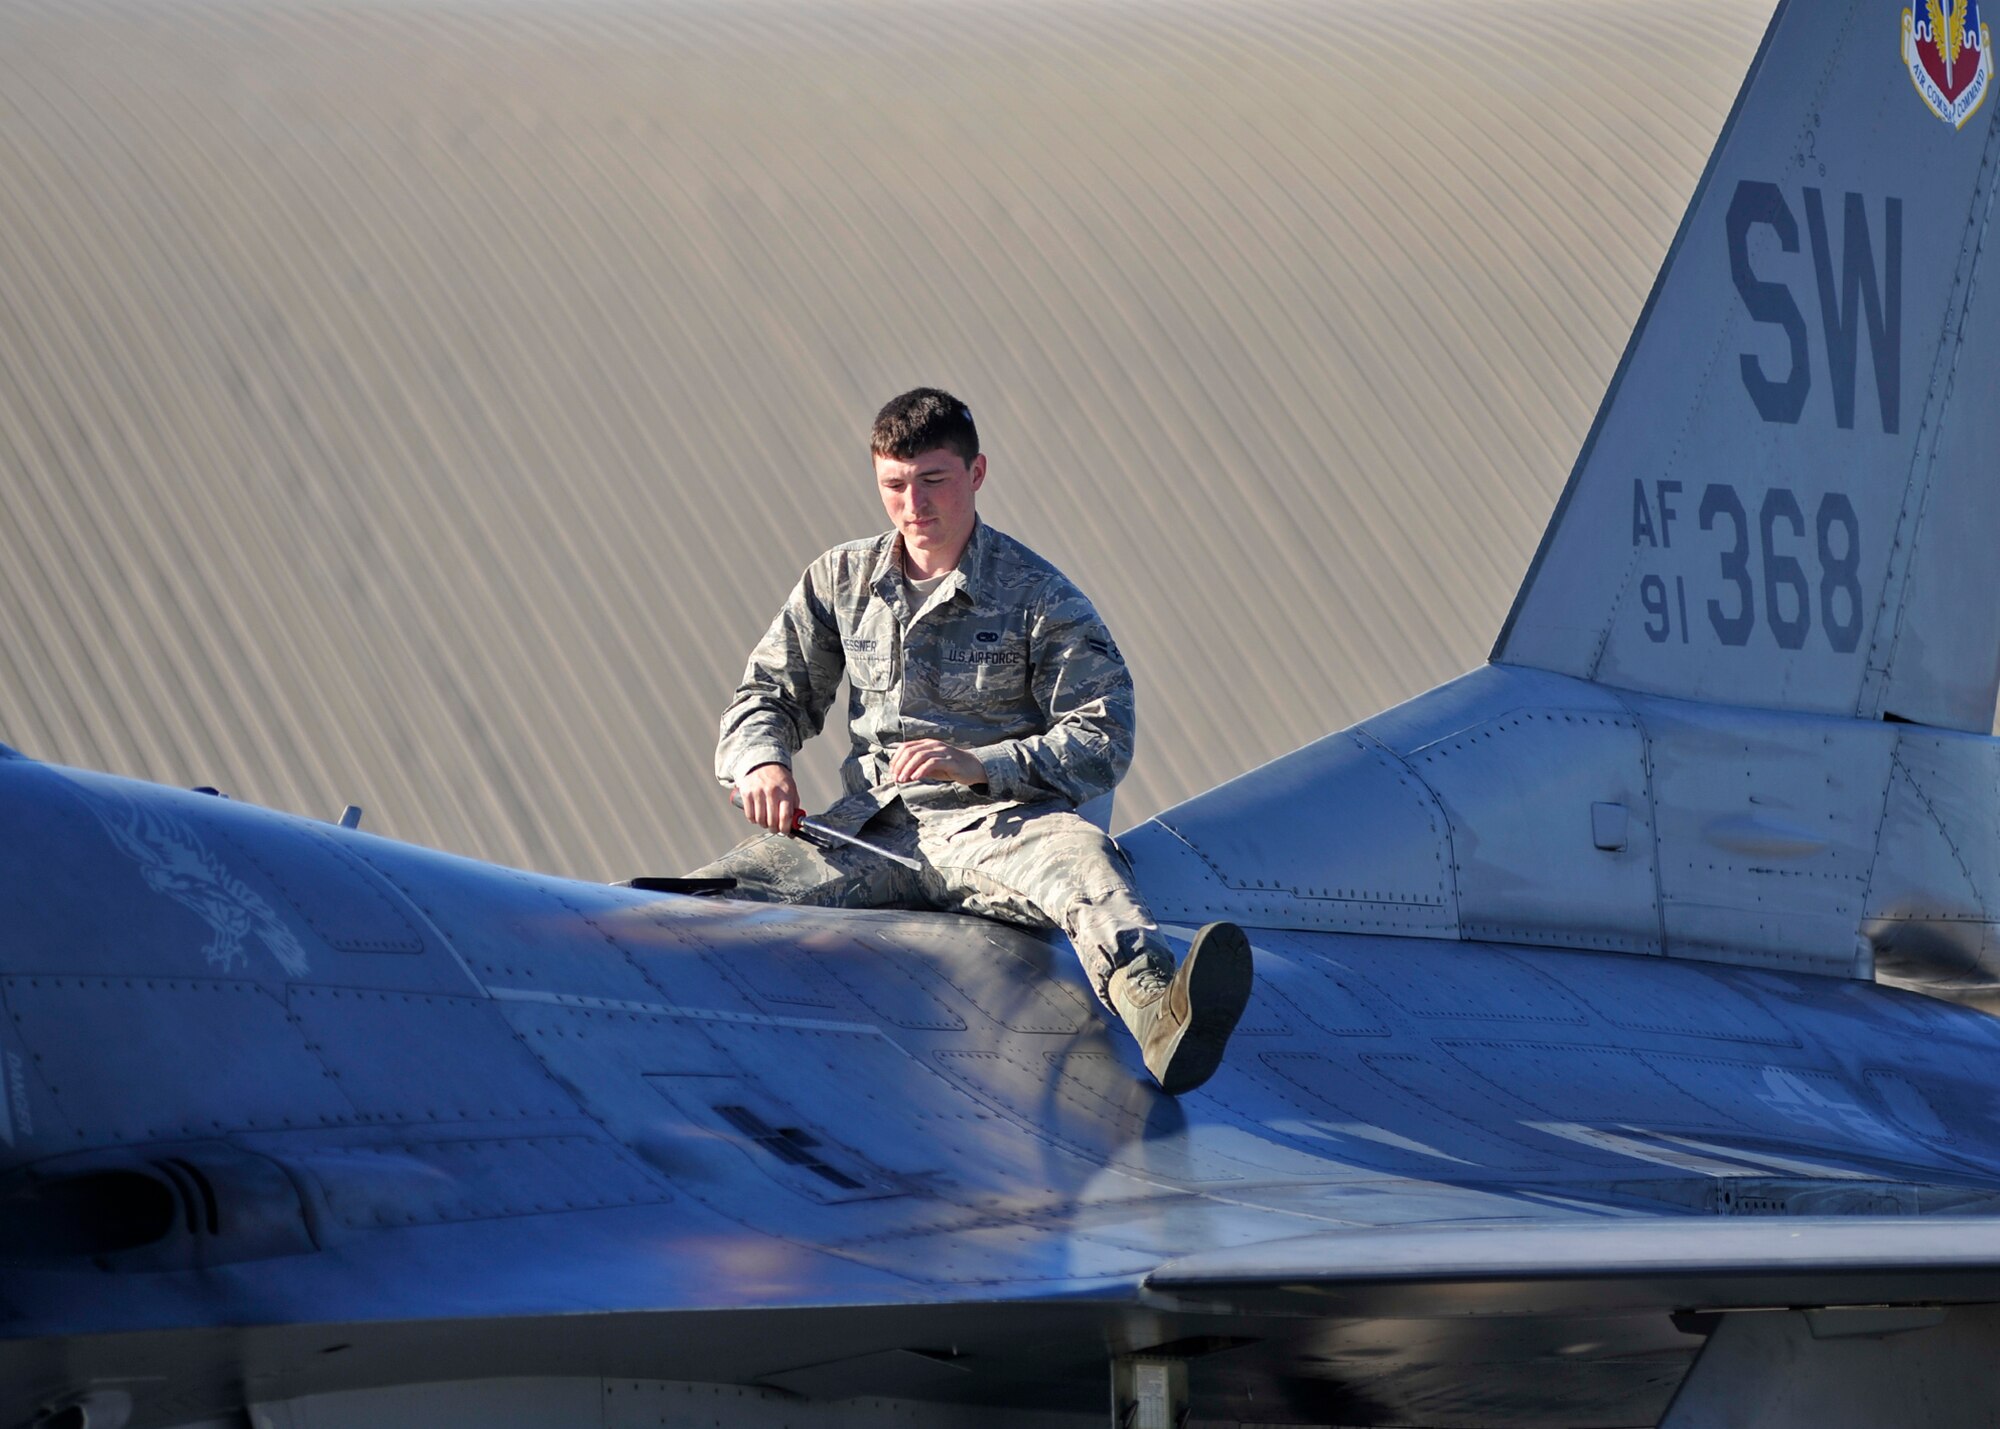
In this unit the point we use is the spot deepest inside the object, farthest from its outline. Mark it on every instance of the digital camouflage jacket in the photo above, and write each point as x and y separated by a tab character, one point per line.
1006	658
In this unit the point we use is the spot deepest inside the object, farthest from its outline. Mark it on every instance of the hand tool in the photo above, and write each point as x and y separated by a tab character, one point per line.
815	832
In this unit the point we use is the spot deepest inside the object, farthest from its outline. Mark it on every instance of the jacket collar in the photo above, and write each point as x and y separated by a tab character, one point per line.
973	574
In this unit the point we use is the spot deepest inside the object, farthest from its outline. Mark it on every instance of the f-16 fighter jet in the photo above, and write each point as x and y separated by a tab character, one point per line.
1614	1057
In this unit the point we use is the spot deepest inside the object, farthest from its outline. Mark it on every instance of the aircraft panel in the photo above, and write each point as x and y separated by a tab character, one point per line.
418	1057
1328	1002
87	851
1040	999
797	1152
1933	902
1523	805
1908	1107
345	905
1384	1116
436	1180
1767	834
1590	1084
1377	860
1090	1103
788	977
1801	1104
581	1039
516	931
889	986
1933	656
1646	1001
1435	980
218	1054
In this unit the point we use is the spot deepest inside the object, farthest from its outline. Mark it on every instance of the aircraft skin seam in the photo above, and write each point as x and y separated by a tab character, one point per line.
19	1070
1284	901
1652	814
1447	854
1495	1144
1878	672
1539	934
1896	766
427	922
280	880
1616	605
1633	561
1195	849
1862	941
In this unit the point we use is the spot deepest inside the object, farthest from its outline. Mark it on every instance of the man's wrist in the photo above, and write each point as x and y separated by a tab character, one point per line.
997	763
968	770
755	759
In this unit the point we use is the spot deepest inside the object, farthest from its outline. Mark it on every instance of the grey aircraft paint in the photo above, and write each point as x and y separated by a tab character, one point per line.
1785	499
1573	1090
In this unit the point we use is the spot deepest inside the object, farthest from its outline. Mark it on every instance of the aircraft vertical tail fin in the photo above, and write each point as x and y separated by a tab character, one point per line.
1790	497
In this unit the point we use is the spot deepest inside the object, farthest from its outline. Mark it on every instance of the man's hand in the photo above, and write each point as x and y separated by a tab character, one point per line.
934	759
770	797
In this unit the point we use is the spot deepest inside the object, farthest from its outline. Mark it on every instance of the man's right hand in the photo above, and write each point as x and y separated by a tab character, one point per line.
770	797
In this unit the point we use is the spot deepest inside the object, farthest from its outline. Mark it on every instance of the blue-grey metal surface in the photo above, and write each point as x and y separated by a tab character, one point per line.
300	1080
1786	840
1570	1035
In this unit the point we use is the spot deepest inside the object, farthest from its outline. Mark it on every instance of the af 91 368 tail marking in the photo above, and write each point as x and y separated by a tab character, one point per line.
1768	580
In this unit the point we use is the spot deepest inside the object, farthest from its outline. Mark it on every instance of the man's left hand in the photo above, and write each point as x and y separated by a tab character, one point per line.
934	759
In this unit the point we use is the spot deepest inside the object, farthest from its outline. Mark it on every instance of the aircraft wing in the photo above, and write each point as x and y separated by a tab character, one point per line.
1599	1266
345	1121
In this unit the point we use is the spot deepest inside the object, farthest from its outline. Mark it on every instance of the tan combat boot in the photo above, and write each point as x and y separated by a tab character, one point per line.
1182	1019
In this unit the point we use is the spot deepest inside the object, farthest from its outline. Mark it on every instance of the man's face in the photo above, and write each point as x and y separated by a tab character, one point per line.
929	499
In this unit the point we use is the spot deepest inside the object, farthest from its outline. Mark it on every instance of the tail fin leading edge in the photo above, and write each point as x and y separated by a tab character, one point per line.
1790	497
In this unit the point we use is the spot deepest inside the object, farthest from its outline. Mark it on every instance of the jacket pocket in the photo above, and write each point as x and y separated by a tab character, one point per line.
871	671
1003	683
870	648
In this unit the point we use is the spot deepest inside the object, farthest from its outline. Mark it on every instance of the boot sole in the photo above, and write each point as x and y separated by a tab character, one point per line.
1219	975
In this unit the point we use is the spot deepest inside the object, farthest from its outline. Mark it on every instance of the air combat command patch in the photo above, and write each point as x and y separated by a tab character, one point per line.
1950	57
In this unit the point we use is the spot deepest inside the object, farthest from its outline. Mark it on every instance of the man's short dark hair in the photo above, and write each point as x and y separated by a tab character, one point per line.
923	420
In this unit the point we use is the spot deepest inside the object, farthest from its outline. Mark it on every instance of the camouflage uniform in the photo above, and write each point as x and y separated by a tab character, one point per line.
1006	659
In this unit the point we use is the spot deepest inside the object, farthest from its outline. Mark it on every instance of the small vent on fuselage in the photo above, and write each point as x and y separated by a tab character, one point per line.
788	1143
197	1195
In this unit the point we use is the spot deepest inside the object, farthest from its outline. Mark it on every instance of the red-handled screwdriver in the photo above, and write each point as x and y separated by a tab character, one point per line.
815	831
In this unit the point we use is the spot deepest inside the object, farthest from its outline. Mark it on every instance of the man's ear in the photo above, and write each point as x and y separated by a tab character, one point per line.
978	471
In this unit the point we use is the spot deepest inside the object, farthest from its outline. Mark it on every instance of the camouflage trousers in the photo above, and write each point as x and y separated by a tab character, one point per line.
1039	866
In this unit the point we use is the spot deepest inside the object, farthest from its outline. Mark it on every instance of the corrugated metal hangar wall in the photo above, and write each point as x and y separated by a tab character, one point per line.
425	405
